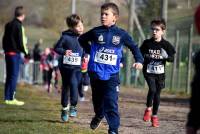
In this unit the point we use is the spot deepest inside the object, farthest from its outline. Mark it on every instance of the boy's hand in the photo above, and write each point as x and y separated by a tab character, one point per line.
138	66
68	52
121	65
164	54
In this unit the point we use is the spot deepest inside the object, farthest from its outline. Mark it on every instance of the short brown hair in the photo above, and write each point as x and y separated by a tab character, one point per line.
112	6
159	22
19	11
73	20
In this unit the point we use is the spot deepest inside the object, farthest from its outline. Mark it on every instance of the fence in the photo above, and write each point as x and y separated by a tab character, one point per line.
29	72
178	76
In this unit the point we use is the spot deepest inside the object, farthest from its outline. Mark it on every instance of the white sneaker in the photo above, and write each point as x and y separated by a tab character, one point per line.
85	88
82	99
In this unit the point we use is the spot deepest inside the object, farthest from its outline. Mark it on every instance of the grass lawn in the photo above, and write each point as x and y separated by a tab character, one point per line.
39	115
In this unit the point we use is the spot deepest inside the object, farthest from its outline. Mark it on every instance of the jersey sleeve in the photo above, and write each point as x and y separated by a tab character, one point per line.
59	46
85	40
21	38
129	42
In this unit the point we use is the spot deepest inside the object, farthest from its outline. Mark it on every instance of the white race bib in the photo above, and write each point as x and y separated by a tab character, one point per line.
72	60
155	69
55	63
110	59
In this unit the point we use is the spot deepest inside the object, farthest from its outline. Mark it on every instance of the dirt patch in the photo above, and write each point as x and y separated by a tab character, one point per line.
172	113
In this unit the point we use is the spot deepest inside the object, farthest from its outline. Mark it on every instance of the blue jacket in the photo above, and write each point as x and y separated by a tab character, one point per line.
105	44
69	41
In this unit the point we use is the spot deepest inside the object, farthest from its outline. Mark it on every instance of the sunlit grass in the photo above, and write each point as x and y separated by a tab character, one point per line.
40	115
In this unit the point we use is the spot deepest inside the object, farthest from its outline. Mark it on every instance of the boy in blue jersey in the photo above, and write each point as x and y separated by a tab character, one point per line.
105	44
71	54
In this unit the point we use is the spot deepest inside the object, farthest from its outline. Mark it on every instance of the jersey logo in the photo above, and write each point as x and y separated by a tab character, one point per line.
100	39
116	40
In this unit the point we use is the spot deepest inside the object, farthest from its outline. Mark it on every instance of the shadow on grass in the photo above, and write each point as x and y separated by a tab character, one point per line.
28	120
175	101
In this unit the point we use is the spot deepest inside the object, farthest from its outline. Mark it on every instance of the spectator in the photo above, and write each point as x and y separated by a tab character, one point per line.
36	57
14	42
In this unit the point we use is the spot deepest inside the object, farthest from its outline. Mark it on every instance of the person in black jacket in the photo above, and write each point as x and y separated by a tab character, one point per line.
71	54
14	42
156	51
36	57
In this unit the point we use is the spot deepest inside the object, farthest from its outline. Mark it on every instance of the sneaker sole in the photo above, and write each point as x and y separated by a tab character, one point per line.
73	116
64	121
97	126
155	126
146	120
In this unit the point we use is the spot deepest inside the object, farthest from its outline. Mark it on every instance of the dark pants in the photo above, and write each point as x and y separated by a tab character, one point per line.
194	114
45	77
153	98
105	100
49	77
70	83
84	81
12	72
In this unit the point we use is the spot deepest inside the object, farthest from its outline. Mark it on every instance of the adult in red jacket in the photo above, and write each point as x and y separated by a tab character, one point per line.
193	122
197	19
14	42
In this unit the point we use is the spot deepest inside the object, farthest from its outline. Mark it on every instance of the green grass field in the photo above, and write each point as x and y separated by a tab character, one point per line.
39	115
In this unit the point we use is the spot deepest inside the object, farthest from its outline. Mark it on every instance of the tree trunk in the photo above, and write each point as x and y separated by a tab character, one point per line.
174	69
73	6
128	53
189	60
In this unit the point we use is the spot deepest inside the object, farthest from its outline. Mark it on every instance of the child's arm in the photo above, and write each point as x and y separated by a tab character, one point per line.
59	47
84	40
170	52
135	51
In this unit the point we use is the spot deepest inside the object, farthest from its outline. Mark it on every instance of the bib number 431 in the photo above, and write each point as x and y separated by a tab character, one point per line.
110	59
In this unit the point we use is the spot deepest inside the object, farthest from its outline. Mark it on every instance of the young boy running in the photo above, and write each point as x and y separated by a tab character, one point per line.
70	65
156	51
105	44
85	80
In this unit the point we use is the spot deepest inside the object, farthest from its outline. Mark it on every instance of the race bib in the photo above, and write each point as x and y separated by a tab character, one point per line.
110	59
55	63
155	69
72	60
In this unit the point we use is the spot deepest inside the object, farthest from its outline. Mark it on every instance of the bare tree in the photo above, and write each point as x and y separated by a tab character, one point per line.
164	9
73	6
128	53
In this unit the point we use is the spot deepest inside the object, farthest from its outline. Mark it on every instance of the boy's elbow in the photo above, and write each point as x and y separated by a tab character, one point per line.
170	59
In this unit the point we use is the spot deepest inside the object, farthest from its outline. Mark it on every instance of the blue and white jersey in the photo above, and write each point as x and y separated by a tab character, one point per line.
105	44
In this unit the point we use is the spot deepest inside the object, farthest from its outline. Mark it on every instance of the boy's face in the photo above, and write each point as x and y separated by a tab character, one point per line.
157	32
79	28
108	18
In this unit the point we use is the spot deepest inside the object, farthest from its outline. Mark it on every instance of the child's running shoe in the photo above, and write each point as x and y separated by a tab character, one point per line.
72	111
111	132
64	115
82	99
154	120
147	115
85	88
95	123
